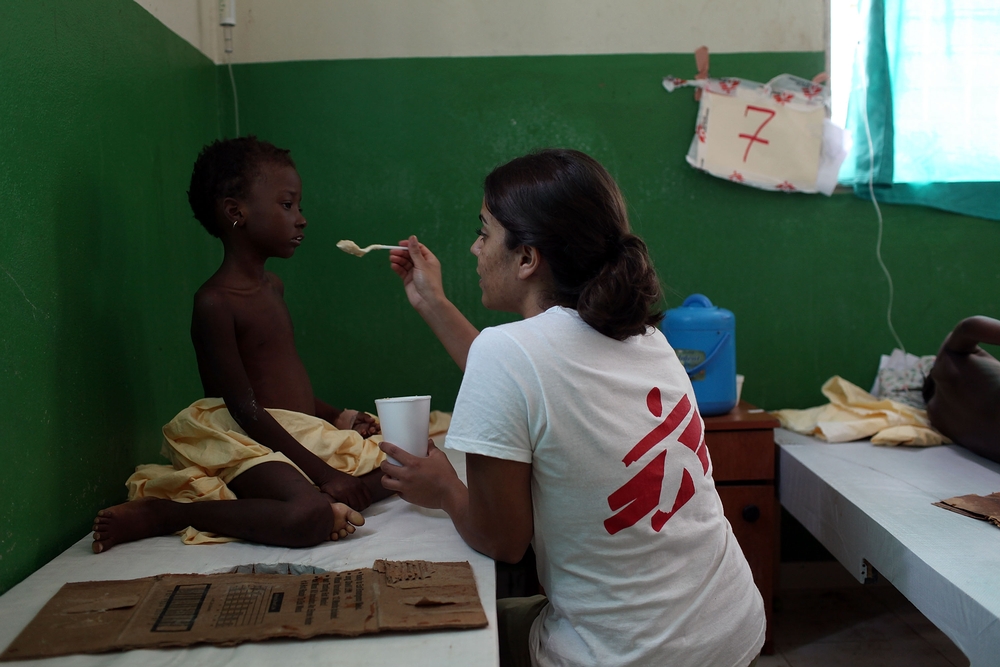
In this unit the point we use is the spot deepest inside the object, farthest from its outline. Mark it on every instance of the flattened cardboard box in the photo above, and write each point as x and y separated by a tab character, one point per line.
174	610
984	508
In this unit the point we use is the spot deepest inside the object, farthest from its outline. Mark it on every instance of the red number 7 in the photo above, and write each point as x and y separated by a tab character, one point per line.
770	114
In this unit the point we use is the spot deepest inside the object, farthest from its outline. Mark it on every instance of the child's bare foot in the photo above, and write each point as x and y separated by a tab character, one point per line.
127	522
344	521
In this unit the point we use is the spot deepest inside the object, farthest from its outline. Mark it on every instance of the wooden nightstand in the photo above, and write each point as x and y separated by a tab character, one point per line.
741	445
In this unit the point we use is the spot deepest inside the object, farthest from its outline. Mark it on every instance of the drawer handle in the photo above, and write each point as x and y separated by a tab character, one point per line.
751	513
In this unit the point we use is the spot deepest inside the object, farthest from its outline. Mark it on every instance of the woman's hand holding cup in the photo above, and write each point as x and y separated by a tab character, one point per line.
428	481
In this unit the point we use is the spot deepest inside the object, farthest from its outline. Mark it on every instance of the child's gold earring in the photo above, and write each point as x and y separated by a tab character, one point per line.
234	223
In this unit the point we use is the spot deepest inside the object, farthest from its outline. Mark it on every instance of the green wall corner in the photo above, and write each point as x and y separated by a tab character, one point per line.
103	110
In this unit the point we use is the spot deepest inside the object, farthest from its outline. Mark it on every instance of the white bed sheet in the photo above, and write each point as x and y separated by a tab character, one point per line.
870	503
393	530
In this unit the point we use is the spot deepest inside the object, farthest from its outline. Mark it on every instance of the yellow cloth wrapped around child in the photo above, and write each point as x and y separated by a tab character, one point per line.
854	414
208	449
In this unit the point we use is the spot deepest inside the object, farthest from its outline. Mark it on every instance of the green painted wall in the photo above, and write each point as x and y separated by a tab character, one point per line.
390	147
102	112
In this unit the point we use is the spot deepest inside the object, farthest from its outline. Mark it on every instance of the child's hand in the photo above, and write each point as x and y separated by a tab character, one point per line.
351	491
345	420
362	422
366	425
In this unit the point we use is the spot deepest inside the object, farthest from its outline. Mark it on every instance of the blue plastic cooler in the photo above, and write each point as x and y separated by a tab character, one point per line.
704	337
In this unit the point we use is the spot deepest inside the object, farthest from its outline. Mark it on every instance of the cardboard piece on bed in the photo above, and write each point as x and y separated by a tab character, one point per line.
984	508
175	610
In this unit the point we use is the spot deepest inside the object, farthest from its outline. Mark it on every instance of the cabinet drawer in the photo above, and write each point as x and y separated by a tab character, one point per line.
741	455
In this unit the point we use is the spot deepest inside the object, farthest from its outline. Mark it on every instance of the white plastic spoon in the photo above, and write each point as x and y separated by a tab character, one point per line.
352	248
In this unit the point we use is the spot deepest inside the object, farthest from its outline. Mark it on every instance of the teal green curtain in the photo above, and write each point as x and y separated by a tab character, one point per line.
928	75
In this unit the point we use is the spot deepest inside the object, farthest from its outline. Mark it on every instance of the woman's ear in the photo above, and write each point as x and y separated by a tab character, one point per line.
529	262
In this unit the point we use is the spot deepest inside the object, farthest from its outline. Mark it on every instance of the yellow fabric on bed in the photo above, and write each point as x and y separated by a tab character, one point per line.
207	449
854	414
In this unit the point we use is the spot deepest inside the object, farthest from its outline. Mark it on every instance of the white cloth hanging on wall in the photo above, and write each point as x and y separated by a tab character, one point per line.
773	136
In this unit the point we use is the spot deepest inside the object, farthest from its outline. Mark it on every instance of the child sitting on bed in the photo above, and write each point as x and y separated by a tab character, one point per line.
247	193
963	390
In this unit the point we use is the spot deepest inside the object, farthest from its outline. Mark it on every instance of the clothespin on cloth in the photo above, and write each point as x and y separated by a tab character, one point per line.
822	77
701	62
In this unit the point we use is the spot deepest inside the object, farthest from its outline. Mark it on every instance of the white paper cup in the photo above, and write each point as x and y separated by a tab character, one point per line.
405	422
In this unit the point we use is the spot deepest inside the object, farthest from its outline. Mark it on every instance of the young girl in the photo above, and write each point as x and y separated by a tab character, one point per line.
581	434
245	438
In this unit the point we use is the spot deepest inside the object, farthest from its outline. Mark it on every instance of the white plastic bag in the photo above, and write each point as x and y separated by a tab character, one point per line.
901	377
773	136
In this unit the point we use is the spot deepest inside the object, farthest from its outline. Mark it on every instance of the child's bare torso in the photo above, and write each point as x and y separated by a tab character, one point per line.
265	343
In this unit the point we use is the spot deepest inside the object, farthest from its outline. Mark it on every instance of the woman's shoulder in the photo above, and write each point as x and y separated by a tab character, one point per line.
554	322
560	325
559	332
496	339
519	340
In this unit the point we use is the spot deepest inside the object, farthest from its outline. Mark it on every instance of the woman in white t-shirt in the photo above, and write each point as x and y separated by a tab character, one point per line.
582	435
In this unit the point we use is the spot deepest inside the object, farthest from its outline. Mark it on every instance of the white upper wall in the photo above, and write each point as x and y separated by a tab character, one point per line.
197	21
279	30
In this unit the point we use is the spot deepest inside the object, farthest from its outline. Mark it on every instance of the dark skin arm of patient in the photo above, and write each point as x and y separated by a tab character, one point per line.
224	373
963	390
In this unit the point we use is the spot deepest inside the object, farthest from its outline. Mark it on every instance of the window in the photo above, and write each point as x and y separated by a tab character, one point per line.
928	74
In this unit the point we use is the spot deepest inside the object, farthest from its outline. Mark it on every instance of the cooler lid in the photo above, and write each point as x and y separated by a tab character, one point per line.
698	312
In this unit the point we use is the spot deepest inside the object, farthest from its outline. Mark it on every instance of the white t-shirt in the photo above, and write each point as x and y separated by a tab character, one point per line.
637	560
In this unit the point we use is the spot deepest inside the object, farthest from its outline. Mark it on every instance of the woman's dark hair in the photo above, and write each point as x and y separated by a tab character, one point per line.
227	168
566	205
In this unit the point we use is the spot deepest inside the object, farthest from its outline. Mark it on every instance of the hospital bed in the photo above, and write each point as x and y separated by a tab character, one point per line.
871	507
394	530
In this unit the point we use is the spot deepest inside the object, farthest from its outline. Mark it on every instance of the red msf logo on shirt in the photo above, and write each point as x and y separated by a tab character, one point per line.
641	495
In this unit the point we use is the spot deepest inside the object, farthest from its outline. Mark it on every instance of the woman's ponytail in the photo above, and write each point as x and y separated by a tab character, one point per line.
620	300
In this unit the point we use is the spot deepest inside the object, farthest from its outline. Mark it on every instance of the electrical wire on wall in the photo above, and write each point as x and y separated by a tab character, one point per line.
863	77
236	99
227	19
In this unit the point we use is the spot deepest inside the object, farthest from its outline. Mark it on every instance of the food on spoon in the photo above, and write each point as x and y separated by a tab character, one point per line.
351	248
